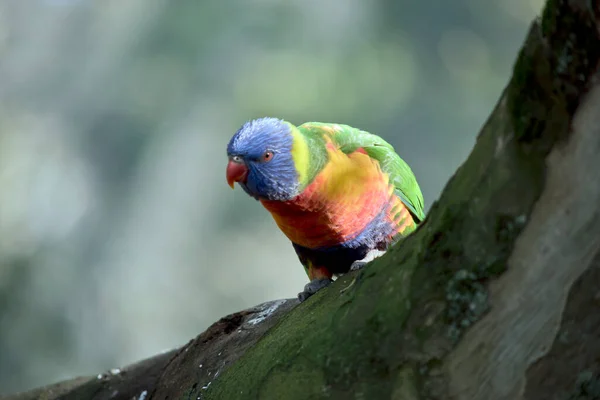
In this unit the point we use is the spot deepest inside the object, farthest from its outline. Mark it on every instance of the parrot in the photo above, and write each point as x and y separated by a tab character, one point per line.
341	195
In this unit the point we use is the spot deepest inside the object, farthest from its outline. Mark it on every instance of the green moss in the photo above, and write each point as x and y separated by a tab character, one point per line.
549	15
325	340
587	387
472	230
405	387
552	70
527	98
310	381
467	300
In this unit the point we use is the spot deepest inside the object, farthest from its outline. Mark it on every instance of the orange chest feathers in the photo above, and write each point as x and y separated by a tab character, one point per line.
348	193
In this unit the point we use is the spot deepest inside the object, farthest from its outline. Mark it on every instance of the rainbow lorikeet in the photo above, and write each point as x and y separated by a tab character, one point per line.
341	195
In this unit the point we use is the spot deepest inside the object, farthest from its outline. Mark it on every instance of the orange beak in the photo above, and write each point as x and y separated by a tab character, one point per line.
236	172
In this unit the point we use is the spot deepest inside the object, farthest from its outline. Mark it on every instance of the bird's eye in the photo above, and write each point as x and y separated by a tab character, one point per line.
267	156
236	159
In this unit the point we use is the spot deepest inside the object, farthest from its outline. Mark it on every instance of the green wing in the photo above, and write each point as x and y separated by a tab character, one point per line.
349	139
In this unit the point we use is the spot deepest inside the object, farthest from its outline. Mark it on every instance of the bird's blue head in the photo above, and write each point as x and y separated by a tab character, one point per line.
261	160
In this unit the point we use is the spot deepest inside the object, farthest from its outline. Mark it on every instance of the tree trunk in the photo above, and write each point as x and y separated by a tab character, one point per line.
495	296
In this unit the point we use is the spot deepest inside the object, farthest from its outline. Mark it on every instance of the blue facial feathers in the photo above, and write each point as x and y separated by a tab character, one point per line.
271	178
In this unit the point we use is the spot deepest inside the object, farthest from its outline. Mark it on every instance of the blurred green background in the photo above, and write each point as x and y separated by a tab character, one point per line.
119	237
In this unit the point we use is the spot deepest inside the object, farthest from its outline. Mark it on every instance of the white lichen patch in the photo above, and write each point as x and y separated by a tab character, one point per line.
521	219
501	142
267	310
143	395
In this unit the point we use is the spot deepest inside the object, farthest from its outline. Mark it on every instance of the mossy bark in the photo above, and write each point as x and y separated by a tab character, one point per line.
495	296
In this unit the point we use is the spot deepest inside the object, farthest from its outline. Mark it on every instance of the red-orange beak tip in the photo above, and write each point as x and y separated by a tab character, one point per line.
236	172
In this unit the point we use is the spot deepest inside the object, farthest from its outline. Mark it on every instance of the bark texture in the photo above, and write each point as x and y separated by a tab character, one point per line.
495	296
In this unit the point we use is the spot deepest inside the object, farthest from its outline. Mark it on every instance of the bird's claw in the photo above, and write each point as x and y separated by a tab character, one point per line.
313	287
357	265
371	255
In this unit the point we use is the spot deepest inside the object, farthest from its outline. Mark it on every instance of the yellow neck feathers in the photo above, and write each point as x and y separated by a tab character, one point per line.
300	154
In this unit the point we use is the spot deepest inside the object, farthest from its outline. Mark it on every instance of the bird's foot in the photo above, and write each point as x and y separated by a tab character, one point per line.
371	255
357	265
313	287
